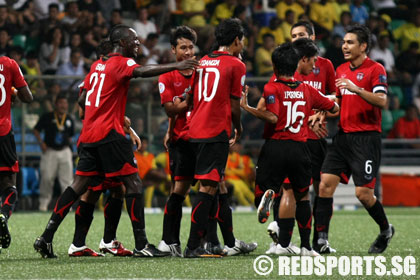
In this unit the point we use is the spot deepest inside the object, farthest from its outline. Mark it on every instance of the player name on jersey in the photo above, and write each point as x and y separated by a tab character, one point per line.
213	62
100	67
1	67
293	94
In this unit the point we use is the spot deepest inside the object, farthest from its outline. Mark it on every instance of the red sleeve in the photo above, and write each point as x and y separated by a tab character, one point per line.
127	67
272	101
238	79
165	89
18	79
379	79
330	86
320	101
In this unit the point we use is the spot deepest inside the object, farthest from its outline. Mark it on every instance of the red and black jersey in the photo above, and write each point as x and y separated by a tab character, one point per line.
357	114
174	84
292	101
10	76
219	78
107	86
322	78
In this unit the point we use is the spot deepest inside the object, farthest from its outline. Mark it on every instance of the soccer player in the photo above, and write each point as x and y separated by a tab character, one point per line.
112	210
285	106
356	149
321	77
103	148
217	90
173	88
10	76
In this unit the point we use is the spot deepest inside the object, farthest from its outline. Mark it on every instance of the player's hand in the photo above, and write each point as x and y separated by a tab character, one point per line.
319	129
127	122
166	139
135	139
244	98
343	83
236	137
187	64
44	147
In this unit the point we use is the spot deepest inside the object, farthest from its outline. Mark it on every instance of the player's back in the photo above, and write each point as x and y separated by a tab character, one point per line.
10	76
292	101
220	77
107	86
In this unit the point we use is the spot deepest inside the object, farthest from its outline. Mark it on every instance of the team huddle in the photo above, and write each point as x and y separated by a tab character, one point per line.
203	101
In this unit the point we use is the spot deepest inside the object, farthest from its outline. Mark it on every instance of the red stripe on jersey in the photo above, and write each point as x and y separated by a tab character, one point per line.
87	173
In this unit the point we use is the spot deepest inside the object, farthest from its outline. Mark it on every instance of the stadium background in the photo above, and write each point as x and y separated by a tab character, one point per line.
30	29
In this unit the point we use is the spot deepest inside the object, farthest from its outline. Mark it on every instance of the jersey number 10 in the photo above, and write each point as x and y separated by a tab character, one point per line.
203	92
94	77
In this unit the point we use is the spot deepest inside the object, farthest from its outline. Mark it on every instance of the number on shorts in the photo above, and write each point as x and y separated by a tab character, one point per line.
368	167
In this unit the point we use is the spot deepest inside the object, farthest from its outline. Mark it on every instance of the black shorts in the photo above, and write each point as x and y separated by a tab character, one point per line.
8	156
109	159
318	149
280	159
182	160
357	154
210	160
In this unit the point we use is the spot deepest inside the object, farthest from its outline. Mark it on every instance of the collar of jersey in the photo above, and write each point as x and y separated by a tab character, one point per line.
355	68
113	54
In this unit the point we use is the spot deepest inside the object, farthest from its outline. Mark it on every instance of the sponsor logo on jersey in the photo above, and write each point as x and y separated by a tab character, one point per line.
213	62
315	84
161	87
178	84
382	79
293	94
360	76
316	70
271	99
347	92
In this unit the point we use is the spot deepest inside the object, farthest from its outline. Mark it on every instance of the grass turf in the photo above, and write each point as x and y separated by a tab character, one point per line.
351	234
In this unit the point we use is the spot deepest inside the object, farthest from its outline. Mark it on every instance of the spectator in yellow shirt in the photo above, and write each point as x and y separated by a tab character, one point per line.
223	11
263	56
408	32
323	15
287	24
285	5
274	29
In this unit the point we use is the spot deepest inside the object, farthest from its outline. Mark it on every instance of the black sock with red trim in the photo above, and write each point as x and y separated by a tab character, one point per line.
378	214
304	221
172	219
211	235
276	206
83	219
9	199
315	235
323	214
112	215
135	208
62	207
224	217
286	230
199	219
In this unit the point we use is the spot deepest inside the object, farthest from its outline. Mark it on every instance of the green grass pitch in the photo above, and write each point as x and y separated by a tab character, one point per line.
351	234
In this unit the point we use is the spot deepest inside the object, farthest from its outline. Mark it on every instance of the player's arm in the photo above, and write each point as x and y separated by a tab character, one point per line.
236	119
168	136
158	69
135	139
178	105
25	94
260	112
41	142
377	99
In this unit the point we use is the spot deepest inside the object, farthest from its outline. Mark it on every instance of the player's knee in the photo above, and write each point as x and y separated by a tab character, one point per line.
299	196
365	196
118	193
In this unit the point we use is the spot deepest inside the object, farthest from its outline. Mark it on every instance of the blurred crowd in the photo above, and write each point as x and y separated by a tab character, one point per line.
59	37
